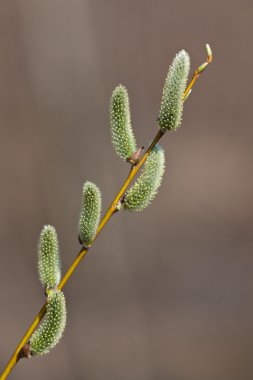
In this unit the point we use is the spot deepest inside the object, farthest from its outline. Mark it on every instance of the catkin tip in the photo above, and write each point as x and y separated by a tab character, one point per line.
144	190
90	213
122	134
49	258
172	98
51	329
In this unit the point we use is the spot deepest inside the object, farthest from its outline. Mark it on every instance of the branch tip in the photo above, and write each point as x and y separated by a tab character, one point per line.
209	53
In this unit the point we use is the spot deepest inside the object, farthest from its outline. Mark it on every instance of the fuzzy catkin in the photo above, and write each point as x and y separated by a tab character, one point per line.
48	258
90	213
122	134
172	98
140	195
51	329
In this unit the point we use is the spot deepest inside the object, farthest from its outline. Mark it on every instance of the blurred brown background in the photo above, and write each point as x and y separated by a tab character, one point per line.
166	294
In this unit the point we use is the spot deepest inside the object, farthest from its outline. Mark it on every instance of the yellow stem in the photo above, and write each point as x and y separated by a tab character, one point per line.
110	212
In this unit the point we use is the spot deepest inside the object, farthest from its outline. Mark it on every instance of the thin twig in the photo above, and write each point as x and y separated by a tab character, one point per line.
199	70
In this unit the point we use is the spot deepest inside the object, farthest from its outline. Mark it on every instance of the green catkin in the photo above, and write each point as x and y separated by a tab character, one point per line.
172	98
122	134
51	329
140	195
48	258
90	213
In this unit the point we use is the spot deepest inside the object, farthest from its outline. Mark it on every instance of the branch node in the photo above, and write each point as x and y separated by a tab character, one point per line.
25	352
134	159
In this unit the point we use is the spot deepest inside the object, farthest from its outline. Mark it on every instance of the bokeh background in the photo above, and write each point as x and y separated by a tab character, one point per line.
166	294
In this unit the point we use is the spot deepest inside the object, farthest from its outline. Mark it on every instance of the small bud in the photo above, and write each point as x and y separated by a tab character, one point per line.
135	157
90	213
188	94
50	330
209	53
25	352
202	67
119	205
172	99
144	190
48	258
122	134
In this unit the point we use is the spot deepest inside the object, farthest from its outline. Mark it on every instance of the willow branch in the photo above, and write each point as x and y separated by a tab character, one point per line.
110	212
